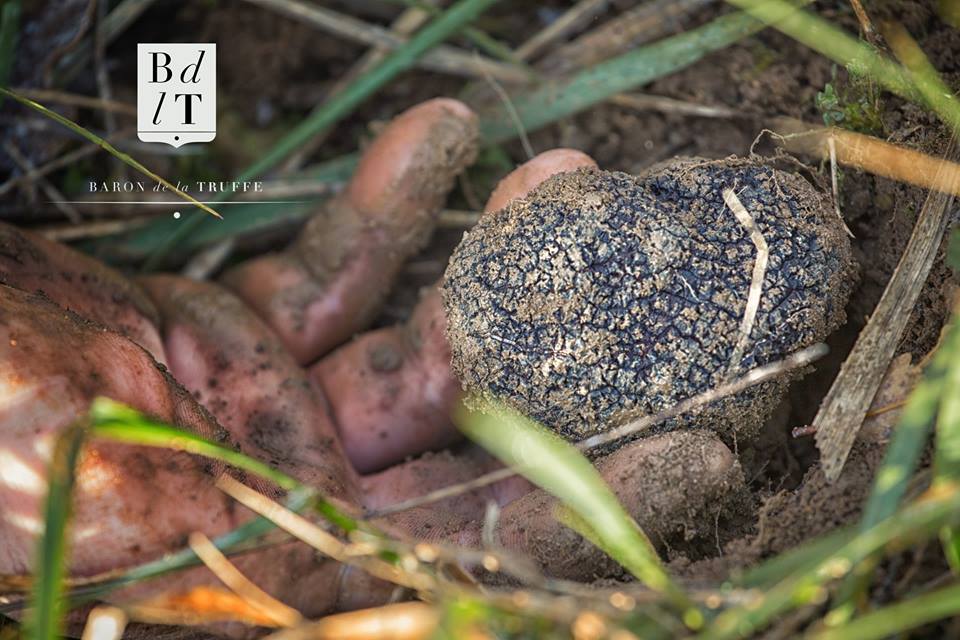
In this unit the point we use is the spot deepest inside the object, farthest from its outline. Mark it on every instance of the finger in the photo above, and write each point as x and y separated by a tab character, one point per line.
679	487
79	283
527	176
237	367
331	282
392	390
131	503
675	486
434	471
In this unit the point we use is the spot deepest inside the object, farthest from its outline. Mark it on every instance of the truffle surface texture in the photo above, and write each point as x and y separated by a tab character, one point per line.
602	296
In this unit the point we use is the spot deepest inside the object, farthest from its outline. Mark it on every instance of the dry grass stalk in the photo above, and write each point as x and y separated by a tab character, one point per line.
66	233
647	102
870	154
756	282
753	377
832	145
56	198
402	621
442	58
105	623
77	100
229	575
574	18
846	404
321	540
409	21
642	24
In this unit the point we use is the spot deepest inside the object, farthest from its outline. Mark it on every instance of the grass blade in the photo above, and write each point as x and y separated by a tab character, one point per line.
106	146
910	435
832	42
557	466
45	619
553	100
899	617
921	520
329	113
120	423
9	33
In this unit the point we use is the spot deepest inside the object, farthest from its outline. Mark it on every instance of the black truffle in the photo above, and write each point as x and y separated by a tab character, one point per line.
602	295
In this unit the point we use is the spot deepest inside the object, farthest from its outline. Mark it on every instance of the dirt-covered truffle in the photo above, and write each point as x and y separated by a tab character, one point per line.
603	295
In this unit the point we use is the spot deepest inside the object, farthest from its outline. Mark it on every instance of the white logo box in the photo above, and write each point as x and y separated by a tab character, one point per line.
176	92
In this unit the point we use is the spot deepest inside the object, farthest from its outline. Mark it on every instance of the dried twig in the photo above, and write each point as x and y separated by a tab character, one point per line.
56	198
645	23
402	621
865	23
753	377
647	102
756	282
240	584
105	623
77	100
846	404
409	21
870	154
442	58
574	18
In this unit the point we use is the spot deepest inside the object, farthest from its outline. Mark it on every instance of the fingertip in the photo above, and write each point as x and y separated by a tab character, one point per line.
408	145
527	176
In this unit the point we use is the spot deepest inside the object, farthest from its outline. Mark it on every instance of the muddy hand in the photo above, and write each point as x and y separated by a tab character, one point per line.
68	328
331	281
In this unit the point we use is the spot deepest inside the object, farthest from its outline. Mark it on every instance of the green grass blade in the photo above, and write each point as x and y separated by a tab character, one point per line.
556	466
916	80
901	459
106	146
917	522
946	464
343	104
553	100
118	422
9	33
899	617
834	43
798	560
925	78
910	435
483	40
45	618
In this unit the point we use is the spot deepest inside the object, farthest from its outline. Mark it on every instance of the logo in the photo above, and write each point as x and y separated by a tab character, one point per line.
176	93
